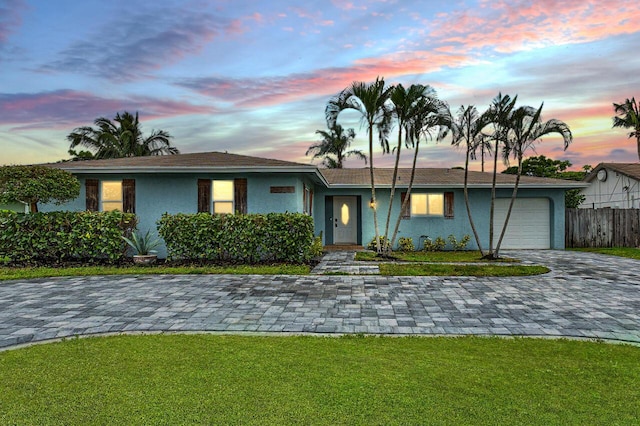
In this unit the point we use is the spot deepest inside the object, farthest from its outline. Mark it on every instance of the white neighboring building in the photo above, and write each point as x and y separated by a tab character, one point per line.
613	185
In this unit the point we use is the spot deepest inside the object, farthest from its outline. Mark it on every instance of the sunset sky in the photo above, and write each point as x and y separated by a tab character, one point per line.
253	77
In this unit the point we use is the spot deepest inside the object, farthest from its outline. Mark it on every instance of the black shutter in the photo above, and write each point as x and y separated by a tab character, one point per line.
204	195
448	205
129	195
240	195
91	190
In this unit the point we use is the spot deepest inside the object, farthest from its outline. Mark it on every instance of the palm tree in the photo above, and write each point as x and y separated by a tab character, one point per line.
407	104
432	120
525	128
499	116
336	142
372	102
628	116
467	130
121	139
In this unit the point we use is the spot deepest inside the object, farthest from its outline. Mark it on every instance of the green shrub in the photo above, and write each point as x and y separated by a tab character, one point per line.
248	238
56	237
459	245
372	243
436	245
406	244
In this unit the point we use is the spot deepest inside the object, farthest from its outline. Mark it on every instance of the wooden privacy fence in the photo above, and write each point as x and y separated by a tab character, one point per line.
602	228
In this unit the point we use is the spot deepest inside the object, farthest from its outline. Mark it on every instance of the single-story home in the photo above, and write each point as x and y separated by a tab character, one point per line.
338	199
612	185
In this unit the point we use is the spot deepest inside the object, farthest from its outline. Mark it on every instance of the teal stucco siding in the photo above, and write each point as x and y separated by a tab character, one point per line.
156	194
436	226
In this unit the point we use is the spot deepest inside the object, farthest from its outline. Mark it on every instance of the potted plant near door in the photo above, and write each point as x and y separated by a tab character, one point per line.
144	247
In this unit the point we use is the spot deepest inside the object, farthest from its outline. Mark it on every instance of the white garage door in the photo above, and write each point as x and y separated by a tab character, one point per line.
529	224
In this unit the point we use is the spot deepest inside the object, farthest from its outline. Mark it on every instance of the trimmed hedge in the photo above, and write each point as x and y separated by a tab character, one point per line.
246	238
56	237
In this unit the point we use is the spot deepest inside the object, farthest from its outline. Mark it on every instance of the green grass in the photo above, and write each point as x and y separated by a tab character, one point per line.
430	256
449	270
208	379
630	252
7	273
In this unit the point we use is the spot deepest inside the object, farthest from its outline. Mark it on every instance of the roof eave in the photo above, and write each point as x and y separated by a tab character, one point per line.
199	169
571	185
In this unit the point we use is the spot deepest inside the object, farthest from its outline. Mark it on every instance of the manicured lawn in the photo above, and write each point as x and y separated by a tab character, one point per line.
630	252
451	270
42	272
208	379
429	256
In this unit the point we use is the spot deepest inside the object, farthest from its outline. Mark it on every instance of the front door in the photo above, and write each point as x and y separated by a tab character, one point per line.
345	220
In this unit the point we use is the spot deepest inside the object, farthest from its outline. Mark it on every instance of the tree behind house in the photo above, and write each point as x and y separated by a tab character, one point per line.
628	116
334	147
121	138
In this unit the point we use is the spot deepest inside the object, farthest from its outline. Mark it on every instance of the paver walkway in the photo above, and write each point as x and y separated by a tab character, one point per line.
586	295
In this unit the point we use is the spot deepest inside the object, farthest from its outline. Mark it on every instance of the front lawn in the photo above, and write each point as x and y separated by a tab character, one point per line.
209	379
7	273
452	270
630	252
429	256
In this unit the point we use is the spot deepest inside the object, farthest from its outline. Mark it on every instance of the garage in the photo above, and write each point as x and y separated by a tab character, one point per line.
529	225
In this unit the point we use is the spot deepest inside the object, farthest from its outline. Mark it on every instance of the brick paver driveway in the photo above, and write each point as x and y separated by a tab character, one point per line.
586	295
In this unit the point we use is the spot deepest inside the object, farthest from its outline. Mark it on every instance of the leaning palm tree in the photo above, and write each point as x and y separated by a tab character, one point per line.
334	147
431	120
628	116
526	127
371	100
499	116
467	129
120	138
406	104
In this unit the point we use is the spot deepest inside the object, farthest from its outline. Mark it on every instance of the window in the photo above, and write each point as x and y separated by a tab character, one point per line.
427	204
223	196
109	195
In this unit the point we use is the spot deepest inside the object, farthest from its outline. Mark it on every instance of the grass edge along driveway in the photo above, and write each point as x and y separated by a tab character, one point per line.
225	379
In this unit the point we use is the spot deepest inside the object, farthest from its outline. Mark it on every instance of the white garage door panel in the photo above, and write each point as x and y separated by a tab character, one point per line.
529	225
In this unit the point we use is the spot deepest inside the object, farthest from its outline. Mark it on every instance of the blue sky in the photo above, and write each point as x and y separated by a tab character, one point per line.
253	77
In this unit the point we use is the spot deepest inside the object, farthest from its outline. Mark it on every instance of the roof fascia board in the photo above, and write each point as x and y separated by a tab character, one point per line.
568	185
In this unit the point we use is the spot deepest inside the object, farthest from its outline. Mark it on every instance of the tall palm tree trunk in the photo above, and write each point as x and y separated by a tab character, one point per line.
514	193
374	202
389	244
405	203
491	254
467	204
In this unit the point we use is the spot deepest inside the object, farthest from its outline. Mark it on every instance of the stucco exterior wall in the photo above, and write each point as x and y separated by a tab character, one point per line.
178	193
415	227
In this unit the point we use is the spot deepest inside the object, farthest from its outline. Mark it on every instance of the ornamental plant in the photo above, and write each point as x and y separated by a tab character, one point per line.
142	244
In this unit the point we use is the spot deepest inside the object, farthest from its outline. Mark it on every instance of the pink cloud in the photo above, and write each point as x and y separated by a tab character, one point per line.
64	108
325	82
508	26
347	5
10	18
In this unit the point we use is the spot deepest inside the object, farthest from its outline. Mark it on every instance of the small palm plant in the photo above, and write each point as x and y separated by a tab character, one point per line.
143	245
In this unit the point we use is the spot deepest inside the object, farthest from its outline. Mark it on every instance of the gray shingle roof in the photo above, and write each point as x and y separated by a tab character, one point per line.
195	160
356	178
437	177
